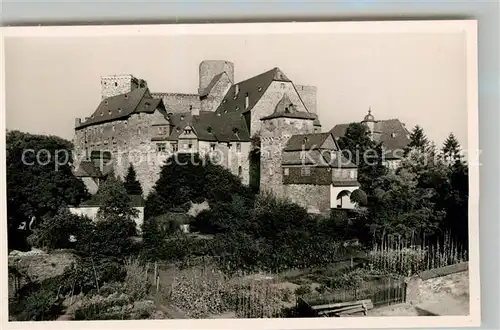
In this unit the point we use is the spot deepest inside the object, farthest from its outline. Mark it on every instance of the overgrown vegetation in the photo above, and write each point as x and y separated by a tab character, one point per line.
413	219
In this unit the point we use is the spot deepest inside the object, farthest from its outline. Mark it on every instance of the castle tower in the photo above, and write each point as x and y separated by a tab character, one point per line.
275	132
369	121
211	68
119	84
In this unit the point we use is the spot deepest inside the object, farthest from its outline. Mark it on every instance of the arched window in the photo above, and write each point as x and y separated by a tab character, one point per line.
240	171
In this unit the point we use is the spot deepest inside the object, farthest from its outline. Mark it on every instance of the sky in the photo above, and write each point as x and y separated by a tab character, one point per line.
419	78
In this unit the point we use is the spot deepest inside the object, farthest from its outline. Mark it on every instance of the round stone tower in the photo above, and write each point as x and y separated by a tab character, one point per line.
210	68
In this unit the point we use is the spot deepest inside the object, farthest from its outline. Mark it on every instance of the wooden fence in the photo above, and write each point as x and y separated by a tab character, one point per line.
381	292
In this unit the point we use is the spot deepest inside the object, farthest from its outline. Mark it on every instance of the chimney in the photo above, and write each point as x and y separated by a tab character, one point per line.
195	111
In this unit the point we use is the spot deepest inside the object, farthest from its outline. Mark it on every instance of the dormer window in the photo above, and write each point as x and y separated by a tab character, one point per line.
224	101
247	101
182	117
147	104
236	90
109	112
102	114
259	89
209	129
119	110
188	131
126	96
393	135
237	108
235	130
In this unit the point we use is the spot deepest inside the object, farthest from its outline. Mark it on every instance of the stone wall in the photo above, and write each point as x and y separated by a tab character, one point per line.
92	184
450	280
308	96
211	101
129	141
274	136
267	104
314	198
210	68
178	102
117	84
318	176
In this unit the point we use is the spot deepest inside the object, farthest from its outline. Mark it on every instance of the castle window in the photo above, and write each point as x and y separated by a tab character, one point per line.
209	129
109	112
175	147
212	146
102	114
161	147
240	171
119	110
224	101
286	171
182	117
352	174
237	108
190	146
114	128
126	96
147	104
187	131
271	171
305	171
238	147
190	107
259	89
247	102
116	84
393	134
282	85
236	90
229	145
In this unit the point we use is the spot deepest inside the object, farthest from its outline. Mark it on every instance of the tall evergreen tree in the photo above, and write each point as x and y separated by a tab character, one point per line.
418	140
451	149
132	185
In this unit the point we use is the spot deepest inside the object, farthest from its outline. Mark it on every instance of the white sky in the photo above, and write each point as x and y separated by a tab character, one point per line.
418	78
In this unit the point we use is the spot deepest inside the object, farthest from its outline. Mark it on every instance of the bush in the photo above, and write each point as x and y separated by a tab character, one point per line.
43	305
54	231
303	290
136	281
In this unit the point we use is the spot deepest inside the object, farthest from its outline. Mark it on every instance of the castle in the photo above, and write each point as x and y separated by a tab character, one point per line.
264	129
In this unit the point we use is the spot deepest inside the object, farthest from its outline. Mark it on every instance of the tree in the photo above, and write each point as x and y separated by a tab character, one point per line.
132	185
451	149
358	147
39	180
418	140
114	202
55	232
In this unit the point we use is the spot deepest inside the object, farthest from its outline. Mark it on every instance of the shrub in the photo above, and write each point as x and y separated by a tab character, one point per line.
42	305
303	290
136	281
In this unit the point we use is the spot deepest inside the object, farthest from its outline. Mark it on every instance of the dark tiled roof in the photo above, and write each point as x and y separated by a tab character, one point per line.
339	130
87	169
316	158
285	108
253	87
307	141
209	126
392	133
123	105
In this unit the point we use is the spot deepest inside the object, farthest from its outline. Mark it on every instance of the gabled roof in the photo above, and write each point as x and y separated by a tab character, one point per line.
87	169
123	105
310	141
392	133
286	109
253	87
316	158
209	126
205	91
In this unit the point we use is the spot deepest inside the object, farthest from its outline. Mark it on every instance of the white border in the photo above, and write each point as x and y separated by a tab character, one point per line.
469	27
